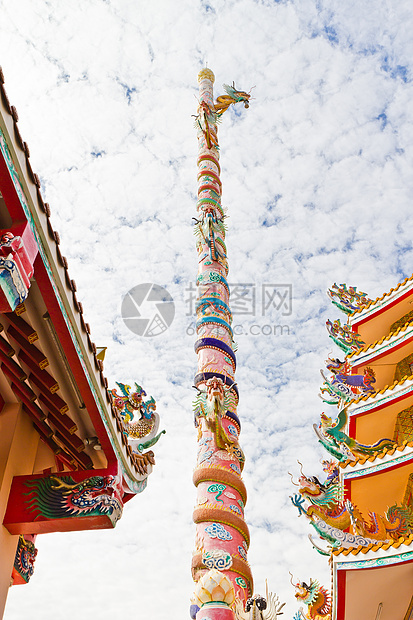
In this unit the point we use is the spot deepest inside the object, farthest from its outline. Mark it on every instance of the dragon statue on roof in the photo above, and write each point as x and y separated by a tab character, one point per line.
335	440
347	299
316	598
344	385
331	516
344	337
142	433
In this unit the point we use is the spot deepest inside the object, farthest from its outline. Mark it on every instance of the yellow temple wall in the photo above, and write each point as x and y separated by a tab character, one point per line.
378	492
18	448
378	326
379	423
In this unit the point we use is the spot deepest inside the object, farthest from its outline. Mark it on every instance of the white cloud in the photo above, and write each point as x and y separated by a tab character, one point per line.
105	91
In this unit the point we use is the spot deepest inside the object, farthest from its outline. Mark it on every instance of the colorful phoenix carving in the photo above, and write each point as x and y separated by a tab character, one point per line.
316	598
344	337
331	435
142	433
347	299
61	497
344	385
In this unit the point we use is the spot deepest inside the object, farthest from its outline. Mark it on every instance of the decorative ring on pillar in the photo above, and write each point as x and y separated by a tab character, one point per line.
218	515
213	343
212	301
215	321
202	377
208	186
219	474
234	418
209	201
209	173
209	158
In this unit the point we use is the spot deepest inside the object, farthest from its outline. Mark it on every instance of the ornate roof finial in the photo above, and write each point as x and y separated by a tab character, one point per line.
206	74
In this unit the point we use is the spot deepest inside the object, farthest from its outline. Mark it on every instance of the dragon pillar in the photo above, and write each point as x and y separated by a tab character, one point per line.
219	565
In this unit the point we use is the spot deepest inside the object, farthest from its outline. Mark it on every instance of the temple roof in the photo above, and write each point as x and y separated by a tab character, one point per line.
377	546
60	334
381	302
393	338
385	391
388	451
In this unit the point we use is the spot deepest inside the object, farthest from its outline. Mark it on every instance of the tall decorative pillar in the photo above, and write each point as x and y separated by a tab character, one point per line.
219	565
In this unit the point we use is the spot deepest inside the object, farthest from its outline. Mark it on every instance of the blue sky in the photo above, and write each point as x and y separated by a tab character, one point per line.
317	179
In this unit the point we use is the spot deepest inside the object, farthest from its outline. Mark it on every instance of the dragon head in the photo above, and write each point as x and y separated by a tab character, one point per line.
326	421
310	486
215	391
306	593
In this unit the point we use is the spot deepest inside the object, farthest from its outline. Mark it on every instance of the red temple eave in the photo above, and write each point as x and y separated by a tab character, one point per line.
22	208
49	294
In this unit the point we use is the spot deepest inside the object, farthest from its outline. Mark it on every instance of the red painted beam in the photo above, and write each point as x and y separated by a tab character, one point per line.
341	594
64	502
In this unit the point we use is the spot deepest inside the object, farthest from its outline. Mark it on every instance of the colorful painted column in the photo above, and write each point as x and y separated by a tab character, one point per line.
219	565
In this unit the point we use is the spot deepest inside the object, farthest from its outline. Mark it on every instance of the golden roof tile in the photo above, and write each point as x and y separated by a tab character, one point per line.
382	339
372	302
380	544
360	460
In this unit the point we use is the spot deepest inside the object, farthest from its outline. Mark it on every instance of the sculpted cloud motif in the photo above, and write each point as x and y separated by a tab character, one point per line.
216	530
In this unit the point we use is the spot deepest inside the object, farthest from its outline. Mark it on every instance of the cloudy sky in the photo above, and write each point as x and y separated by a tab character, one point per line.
317	177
